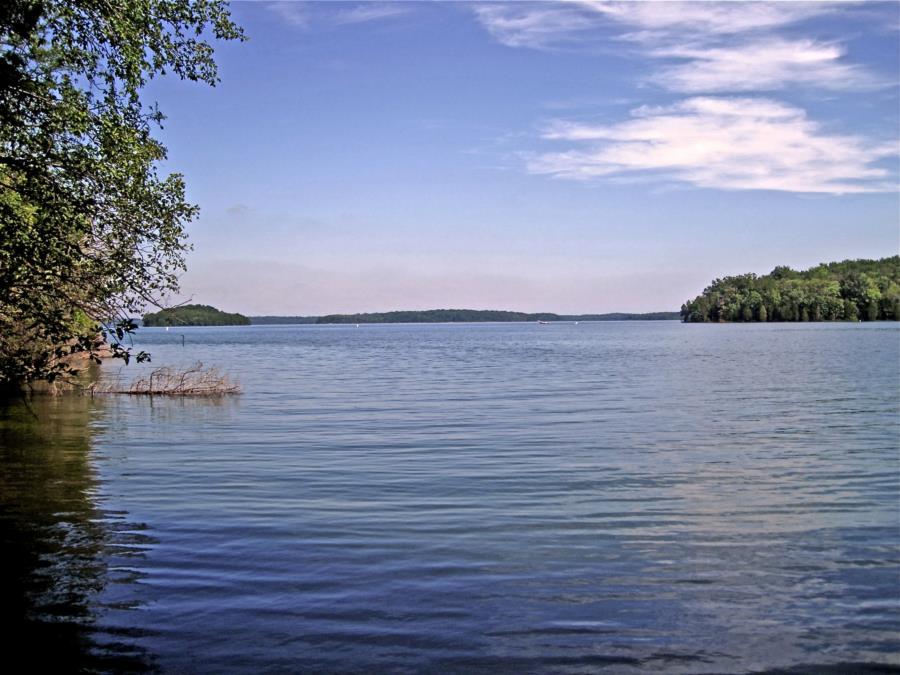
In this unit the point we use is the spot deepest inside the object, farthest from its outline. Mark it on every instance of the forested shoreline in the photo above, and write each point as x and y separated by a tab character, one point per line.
851	290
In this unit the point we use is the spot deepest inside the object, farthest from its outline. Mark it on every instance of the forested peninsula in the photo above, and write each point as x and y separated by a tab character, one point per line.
852	290
194	315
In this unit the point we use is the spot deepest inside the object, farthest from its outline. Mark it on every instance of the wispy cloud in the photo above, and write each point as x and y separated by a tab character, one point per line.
725	143
707	18
761	65
371	11
735	46
292	13
712	48
303	15
700	47
536	26
543	25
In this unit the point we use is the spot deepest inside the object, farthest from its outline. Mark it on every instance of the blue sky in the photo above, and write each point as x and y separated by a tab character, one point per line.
566	156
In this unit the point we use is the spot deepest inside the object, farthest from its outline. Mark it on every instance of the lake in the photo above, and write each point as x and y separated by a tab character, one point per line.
480	498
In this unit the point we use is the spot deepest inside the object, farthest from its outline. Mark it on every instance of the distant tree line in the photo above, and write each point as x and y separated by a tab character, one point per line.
852	290
481	315
282	320
194	315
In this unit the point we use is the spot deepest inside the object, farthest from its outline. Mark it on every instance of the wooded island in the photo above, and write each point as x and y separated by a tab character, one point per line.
194	315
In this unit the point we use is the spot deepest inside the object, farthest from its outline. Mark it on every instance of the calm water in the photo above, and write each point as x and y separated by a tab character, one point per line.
630	497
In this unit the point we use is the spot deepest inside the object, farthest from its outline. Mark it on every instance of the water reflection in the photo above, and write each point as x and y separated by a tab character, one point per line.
62	553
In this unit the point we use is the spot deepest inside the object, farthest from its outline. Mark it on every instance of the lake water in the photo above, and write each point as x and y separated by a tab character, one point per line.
523	498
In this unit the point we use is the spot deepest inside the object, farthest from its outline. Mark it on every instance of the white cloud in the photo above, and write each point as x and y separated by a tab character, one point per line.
715	46
534	25
725	143
292	13
542	25
370	11
709	18
760	66
298	14
714	142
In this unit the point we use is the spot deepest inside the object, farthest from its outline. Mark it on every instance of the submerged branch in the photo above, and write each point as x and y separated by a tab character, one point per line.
193	381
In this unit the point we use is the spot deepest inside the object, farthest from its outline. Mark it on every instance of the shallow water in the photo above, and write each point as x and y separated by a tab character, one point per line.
631	497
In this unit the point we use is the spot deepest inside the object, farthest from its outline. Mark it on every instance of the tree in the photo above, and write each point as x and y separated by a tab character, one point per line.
871	310
782	272
90	233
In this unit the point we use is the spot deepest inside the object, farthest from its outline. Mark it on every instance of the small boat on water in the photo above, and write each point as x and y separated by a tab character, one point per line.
543	321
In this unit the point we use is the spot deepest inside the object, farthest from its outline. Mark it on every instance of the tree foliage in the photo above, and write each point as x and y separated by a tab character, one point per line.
90	232
851	290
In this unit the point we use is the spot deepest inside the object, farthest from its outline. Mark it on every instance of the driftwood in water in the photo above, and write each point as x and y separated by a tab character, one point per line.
193	381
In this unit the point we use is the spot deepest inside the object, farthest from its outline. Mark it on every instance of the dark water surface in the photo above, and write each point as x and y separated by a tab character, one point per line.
622	497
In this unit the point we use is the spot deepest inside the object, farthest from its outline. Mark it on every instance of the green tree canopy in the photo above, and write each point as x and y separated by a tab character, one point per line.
840	291
194	315
90	232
